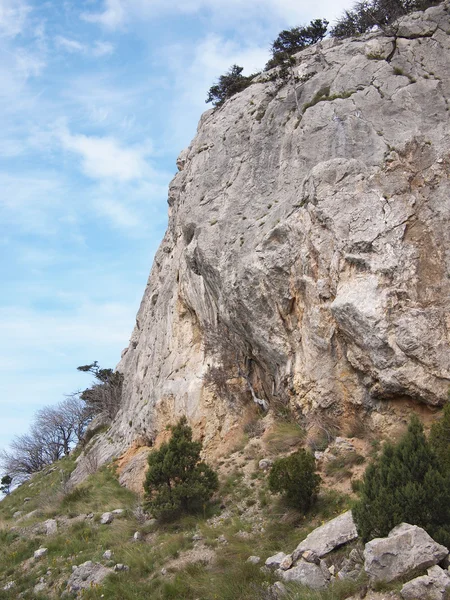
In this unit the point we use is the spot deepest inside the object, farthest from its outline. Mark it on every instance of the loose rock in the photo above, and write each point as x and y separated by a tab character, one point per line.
326	538
407	548
107	518
40	552
432	586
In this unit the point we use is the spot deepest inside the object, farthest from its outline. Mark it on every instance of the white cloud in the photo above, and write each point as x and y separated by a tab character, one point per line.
112	17
105	157
13	15
69	45
116	13
97	50
102	49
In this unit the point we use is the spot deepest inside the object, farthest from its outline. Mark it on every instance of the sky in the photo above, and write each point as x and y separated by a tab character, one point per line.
97	99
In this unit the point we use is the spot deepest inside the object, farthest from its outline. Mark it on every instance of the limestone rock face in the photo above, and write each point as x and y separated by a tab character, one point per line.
407	549
432	586
311	218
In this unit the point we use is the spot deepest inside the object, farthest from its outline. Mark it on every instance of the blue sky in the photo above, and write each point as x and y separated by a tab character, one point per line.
97	98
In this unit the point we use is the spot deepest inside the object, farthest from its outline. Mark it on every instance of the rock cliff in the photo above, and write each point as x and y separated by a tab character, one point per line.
309	220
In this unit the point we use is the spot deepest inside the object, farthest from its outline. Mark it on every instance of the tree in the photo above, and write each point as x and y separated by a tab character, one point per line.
291	41
5	484
406	483
228	85
440	438
104	396
367	14
177	480
295	476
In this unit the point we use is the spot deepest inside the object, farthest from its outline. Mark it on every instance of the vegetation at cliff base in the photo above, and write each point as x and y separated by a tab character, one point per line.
406	483
295	476
178	481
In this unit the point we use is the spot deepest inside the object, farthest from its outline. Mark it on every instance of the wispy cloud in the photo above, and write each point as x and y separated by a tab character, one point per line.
105	157
97	49
13	16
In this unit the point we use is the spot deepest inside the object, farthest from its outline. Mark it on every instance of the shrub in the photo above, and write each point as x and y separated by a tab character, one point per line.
228	85
295	476
368	14
406	483
290	41
177	480
440	438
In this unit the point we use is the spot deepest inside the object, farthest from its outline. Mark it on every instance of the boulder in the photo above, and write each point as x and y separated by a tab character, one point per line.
107	518
309	574
87	575
326	538
51	526
274	562
432	586
407	549
107	554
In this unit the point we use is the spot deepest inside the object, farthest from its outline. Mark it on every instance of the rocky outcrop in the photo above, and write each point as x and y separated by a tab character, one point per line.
329	536
87	575
310	218
432	586
406	550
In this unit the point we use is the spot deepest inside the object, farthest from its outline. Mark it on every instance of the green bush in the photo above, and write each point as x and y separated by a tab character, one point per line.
406	483
177	480
295	476
291	41
228	85
440	438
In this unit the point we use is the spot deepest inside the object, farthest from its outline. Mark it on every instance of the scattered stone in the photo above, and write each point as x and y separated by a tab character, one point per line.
107	554
137	537
121	567
332	570
265	464
326	538
17	514
311	575
352	566
254	559
51	526
106	518
163	571
26	500
222	539
87	575
407	548
197	537
40	552
274	562
40	587
9	586
432	586
286	563
118	511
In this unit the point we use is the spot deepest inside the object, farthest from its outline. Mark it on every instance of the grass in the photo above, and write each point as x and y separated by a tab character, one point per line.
340	467
285	436
228	577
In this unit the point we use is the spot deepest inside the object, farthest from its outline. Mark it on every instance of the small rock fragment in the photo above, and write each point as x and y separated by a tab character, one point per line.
40	552
107	518
254	559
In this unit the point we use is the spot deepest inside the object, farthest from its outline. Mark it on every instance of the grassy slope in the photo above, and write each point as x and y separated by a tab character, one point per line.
251	520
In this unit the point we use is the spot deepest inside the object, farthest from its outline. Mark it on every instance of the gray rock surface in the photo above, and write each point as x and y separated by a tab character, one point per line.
273	562
313	220
86	575
407	549
432	586
313	576
106	518
40	552
51	526
329	536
